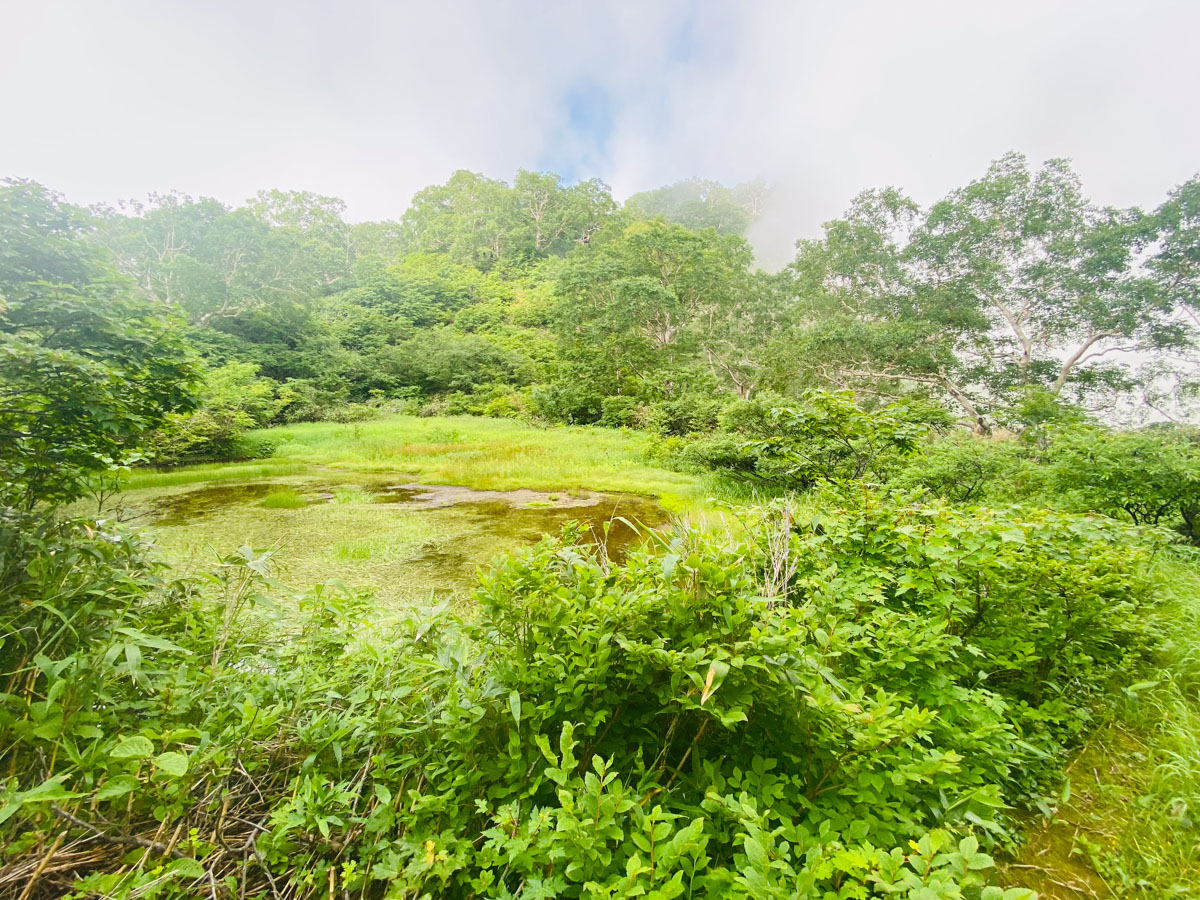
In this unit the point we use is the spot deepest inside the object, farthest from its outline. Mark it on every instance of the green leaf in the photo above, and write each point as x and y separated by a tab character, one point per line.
136	747
118	786
172	763
514	706
187	868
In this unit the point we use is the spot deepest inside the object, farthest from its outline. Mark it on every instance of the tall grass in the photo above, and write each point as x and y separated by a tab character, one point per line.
1159	851
209	473
489	454
1133	807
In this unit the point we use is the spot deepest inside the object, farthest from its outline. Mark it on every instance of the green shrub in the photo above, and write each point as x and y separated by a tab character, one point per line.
619	412
966	468
690	413
1150	476
821	438
233	400
712	718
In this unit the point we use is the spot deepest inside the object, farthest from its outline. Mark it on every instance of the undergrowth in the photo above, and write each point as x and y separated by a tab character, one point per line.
830	705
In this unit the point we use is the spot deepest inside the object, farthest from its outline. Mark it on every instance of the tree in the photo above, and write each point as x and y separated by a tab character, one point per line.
1012	283
482	221
89	366
320	222
697	203
641	306
216	264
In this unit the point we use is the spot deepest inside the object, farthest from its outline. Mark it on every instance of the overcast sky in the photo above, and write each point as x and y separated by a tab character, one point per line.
372	101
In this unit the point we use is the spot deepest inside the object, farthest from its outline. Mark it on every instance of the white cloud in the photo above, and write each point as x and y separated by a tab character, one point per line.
371	102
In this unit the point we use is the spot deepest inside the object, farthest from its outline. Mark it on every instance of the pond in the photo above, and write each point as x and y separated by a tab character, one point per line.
404	541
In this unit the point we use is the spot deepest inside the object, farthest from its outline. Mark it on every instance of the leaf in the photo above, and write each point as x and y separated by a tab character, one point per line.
717	671
51	789
118	786
187	868
514	706
172	763
136	747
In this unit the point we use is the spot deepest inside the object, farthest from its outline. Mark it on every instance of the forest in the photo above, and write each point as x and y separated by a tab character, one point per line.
542	545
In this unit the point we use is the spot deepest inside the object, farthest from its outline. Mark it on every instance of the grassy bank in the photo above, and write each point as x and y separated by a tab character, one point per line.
489	454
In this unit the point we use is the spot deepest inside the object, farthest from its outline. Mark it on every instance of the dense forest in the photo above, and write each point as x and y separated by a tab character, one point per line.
954	443
1011	296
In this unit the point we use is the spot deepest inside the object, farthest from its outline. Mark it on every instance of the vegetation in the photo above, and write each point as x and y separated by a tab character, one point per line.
873	671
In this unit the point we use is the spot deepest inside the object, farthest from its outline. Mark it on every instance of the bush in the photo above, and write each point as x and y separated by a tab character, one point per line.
966	468
568	401
233	400
620	412
714	718
1150	476
688	414
821	438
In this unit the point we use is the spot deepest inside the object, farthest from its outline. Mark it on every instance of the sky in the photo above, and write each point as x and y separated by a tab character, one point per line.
371	102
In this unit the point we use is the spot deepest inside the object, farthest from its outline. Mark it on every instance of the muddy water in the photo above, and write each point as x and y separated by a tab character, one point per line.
484	522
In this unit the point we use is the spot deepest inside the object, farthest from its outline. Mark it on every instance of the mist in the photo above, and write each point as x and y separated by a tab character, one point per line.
372	102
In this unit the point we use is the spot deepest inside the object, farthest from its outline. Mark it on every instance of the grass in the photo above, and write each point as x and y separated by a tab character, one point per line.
1130	823
283	500
209	473
488	454
400	554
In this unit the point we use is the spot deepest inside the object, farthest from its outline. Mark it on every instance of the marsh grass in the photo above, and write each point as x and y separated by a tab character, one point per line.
353	496
209	473
283	500
489	454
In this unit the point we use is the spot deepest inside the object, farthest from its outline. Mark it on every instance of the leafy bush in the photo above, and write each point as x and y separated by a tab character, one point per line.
619	412
690	413
574	402
835	707
233	400
822	438
965	468
1150	476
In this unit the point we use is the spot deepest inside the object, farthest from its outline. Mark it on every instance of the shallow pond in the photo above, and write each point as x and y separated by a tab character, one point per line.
403	541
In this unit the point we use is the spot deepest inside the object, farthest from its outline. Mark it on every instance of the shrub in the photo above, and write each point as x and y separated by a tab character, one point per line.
1150	476
619	412
689	414
712	718
965	468
233	400
821	438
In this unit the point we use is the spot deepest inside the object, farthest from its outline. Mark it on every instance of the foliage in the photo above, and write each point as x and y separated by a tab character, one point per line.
1013	282
87	366
1012	288
232	400
698	204
775	732
1150	476
825	438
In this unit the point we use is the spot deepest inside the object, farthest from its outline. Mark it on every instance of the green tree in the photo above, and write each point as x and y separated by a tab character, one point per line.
1014	282
216	264
644	305
697	203
89	366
